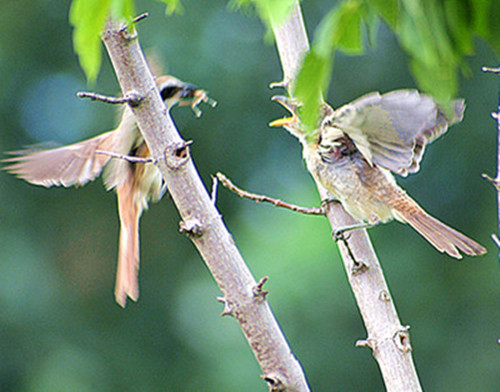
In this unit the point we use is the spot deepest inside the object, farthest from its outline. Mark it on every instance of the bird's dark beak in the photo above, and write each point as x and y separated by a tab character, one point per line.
289	105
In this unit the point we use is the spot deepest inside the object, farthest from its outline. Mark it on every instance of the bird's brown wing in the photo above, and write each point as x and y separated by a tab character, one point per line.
66	166
392	130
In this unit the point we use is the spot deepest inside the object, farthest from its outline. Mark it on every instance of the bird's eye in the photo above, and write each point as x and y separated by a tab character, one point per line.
168	92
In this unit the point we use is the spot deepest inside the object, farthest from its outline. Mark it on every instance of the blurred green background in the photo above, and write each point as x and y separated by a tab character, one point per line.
60	329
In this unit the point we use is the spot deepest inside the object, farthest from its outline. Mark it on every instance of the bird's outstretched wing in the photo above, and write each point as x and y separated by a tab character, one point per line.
392	130
66	166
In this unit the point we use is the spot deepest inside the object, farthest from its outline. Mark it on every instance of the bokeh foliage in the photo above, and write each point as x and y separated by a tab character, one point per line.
60	328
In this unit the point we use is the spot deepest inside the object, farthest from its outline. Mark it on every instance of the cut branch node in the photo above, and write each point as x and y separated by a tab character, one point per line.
281	84
191	227
258	291
177	154
402	339
370	343
274	382
384	296
228	310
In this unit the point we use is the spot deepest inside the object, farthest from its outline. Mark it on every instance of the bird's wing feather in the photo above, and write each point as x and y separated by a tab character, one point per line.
392	130
66	166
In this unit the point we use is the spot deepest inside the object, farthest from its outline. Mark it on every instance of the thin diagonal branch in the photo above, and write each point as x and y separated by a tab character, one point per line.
201	221
266	199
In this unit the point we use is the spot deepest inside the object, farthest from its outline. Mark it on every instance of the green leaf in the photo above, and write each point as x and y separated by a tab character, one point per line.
415	33
440	80
310	84
371	22
388	9
172	6
88	18
494	26
123	10
425	34
272	12
481	17
341	28
458	22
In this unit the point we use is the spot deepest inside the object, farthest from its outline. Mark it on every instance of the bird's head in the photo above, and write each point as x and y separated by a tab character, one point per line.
293	123
173	92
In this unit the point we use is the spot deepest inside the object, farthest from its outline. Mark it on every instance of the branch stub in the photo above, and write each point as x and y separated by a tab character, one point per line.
191	227
177	154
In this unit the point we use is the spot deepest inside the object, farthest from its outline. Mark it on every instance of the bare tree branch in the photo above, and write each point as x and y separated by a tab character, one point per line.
387	338
200	219
266	199
132	99
496	181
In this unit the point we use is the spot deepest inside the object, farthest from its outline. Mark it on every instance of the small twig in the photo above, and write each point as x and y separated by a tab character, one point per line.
266	199
127	158
215	185
132	98
493	70
140	17
496	240
258	290
494	181
134	21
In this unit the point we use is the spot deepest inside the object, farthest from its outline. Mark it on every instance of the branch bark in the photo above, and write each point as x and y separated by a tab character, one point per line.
496	181
243	297
387	338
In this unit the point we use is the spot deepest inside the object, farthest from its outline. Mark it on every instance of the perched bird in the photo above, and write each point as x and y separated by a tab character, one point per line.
135	183
356	148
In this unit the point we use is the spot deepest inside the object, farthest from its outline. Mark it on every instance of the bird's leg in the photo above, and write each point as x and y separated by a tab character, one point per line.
338	233
327	201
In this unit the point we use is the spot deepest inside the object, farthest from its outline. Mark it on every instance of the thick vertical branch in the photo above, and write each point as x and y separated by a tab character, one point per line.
292	44
388	339
496	181
243	297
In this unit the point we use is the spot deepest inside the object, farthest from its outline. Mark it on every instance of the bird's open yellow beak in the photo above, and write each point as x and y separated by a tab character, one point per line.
289	105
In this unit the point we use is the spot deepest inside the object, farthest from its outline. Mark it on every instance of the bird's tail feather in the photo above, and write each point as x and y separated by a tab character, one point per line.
442	237
127	273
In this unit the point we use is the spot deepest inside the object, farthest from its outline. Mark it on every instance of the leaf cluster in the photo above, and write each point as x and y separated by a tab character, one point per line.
437	35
